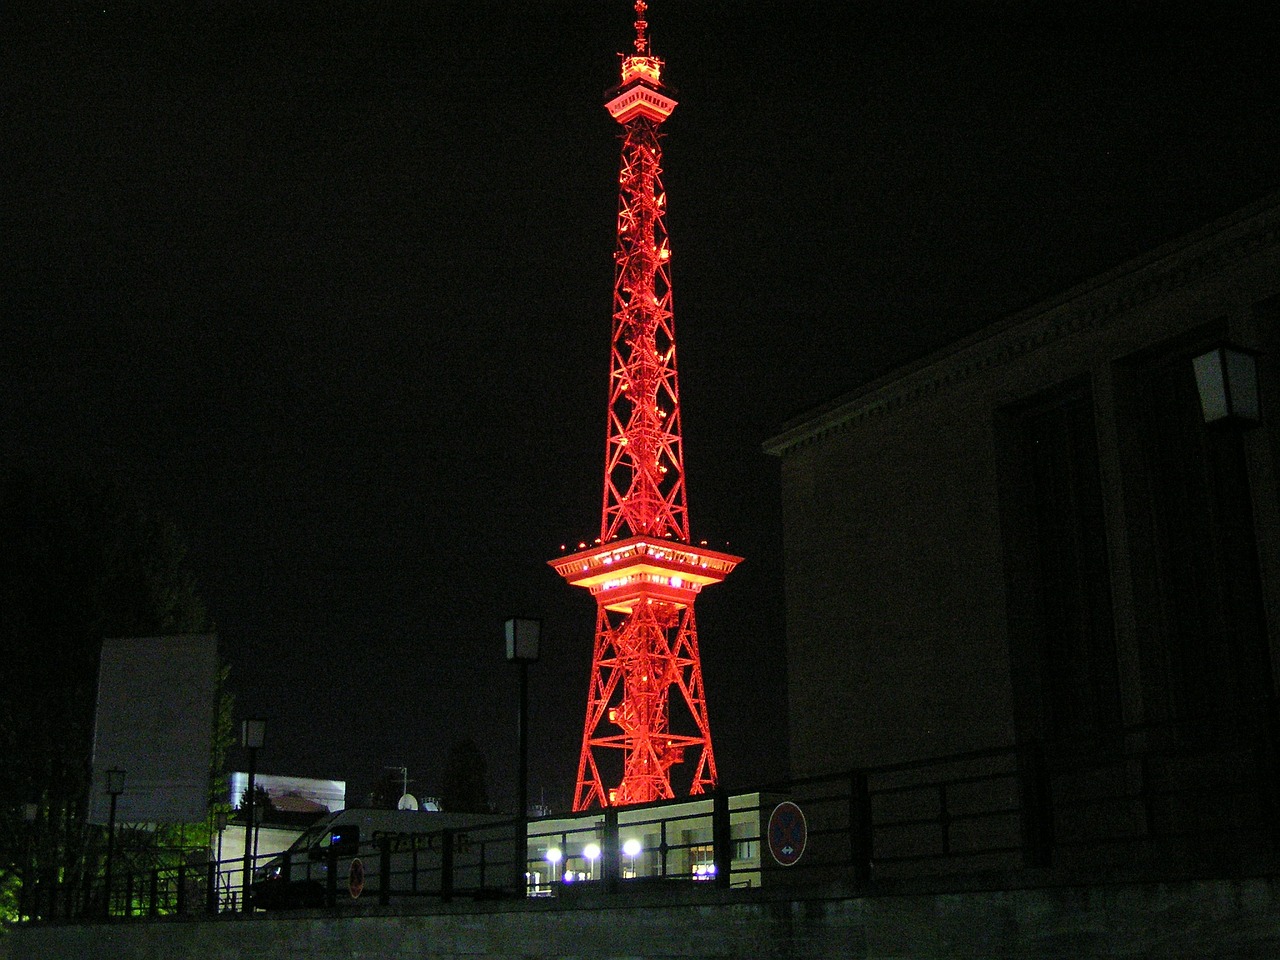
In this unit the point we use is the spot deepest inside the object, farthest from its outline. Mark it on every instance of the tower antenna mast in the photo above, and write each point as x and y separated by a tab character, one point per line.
642	42
646	706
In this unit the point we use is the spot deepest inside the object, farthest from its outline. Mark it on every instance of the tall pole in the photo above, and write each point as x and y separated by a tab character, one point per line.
524	634
252	735
115	786
111	849
30	814
520	854
220	824
522	801
247	877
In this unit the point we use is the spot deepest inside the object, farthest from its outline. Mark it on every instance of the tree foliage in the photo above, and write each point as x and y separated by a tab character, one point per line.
262	805
387	789
82	560
465	788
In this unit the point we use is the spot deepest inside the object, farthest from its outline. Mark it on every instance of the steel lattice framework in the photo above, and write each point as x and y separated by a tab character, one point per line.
644	572
644	464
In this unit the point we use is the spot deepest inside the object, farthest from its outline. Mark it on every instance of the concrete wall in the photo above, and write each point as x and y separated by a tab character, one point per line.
1224	919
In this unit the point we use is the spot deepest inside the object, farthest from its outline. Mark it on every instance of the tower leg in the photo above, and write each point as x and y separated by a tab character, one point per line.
590	787
690	679
636	666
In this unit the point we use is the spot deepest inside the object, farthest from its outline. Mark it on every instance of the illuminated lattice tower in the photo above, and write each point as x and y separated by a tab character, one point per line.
646	709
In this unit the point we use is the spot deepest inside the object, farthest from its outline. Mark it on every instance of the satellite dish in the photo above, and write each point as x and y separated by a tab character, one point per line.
408	802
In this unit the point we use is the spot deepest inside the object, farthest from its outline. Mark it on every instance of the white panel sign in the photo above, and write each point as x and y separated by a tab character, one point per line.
155	722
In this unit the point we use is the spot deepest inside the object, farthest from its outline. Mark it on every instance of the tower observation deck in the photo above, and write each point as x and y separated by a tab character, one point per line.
646	707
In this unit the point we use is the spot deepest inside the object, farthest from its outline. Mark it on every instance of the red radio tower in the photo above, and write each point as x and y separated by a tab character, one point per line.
644	572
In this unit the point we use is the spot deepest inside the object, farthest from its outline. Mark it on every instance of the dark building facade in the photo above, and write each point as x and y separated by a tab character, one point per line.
1034	537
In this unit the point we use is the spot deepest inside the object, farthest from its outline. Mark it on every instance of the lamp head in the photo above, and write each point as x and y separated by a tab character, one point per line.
253	733
523	636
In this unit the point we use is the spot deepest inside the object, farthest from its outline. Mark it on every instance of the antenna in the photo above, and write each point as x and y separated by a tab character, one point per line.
642	42
407	800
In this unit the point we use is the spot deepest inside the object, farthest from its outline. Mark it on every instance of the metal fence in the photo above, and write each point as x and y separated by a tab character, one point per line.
1155	802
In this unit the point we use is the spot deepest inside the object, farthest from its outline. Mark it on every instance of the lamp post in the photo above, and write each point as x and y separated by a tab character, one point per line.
115	787
30	813
631	849
219	824
591	853
1227	381
523	635
252	734
554	856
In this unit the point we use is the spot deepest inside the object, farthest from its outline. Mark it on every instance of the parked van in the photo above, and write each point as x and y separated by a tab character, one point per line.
352	841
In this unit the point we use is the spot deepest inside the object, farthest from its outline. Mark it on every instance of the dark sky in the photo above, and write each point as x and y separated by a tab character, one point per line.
329	283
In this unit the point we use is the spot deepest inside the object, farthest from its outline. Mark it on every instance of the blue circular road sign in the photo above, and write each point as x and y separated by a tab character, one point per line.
788	833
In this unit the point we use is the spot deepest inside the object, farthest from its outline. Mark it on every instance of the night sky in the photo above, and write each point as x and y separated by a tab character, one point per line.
329	284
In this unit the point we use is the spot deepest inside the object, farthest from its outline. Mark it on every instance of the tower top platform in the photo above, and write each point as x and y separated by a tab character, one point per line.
641	93
623	573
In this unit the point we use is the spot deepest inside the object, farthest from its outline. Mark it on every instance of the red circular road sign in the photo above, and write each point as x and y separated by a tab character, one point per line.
355	878
788	833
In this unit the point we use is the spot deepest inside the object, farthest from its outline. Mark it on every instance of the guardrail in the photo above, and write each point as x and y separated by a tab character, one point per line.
1153	802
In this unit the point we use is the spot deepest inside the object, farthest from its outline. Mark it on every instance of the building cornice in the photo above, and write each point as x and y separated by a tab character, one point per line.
1090	306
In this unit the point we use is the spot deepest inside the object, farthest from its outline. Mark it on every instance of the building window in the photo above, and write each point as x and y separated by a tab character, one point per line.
1202	636
1062	629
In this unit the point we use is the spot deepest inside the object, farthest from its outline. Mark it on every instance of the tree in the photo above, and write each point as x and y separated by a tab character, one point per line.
82	560
465	775
388	789
262	805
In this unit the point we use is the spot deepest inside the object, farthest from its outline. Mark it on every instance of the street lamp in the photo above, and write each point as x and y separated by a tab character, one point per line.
1227	381
115	787
554	856
523	635
30	813
252	734
631	849
592	853
219	824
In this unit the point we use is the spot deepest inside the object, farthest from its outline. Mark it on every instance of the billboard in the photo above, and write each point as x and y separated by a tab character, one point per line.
330	794
154	721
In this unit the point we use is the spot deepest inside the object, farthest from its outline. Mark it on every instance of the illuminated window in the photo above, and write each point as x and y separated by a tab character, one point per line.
702	861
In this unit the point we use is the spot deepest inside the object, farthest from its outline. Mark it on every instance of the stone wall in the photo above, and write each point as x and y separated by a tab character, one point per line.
1223	919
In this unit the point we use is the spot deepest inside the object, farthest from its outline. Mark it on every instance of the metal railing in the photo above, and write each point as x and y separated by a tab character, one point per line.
1154	802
